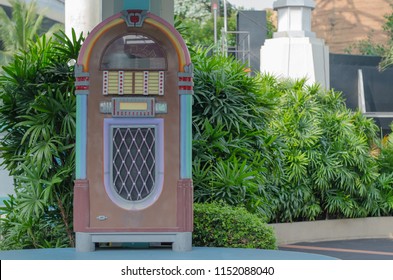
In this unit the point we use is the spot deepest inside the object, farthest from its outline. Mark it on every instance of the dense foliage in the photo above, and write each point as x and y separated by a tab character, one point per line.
283	149
197	18
328	170
234	153
20	28
38	120
219	225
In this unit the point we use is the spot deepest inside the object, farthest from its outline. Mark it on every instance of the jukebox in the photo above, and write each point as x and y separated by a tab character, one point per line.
133	148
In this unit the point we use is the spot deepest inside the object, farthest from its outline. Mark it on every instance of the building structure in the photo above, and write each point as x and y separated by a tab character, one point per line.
294	51
342	23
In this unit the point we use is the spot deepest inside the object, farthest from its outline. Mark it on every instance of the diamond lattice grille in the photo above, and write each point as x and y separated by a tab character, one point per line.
133	162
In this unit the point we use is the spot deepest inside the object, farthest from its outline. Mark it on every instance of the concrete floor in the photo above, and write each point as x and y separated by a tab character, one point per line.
197	253
359	249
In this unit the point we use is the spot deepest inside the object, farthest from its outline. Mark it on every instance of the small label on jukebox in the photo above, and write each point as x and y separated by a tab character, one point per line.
133	107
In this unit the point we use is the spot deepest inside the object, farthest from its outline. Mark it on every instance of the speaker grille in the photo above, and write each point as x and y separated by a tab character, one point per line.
133	161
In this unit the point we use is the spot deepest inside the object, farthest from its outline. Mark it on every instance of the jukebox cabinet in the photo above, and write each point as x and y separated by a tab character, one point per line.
133	149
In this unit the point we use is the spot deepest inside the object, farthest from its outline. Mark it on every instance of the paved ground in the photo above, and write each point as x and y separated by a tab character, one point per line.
159	254
360	249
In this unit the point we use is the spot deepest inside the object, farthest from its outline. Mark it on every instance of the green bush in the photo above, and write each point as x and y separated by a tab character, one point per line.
384	153
283	149
37	117
220	225
234	152
328	170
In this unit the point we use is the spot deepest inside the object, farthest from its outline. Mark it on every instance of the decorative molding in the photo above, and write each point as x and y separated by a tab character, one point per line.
121	83
134	18
185	183
105	82
186	83
145	82
185	217
161	82
82	80
294	18
294	3
81	205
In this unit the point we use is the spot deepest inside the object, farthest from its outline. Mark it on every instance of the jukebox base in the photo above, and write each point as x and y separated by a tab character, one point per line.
181	241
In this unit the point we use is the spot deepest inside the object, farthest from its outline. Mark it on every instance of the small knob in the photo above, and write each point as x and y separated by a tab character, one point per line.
102	218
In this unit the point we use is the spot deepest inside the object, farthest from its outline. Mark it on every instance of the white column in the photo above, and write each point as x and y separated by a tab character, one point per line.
294	51
164	9
6	181
161	8
111	7
82	15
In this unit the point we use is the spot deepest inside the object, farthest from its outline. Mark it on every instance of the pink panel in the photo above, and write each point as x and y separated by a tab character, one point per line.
81	205
185	219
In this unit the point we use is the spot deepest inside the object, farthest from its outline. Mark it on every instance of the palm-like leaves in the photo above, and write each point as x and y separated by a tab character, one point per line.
309	156
38	119
230	118
327	156
225	94
17	31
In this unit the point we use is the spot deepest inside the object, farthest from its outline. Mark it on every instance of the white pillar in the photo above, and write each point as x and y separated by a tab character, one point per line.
161	8
111	7
82	15
6	181
294	51
164	9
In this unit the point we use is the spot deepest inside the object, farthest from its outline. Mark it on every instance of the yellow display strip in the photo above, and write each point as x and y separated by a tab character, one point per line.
153	82
138	83
127	82
113	76
133	106
113	89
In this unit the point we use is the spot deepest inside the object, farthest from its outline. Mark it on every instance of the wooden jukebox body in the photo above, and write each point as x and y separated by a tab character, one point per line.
133	152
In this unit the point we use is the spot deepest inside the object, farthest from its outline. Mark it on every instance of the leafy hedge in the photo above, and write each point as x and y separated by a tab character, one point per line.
37	118
234	150
220	225
328	169
283	149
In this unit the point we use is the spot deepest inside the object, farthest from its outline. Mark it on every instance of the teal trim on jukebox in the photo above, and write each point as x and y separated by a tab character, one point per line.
186	136
136	4
81	141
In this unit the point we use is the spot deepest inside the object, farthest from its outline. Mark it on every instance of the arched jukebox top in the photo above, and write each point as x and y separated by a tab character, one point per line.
134	19
133	151
132	60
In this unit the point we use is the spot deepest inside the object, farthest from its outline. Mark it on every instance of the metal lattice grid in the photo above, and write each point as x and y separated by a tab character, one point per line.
133	162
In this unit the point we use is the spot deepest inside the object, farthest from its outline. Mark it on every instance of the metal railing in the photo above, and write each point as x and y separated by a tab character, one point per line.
241	48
